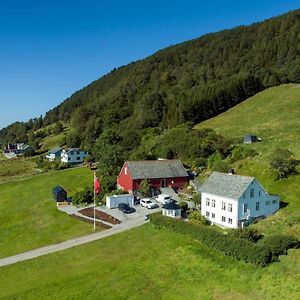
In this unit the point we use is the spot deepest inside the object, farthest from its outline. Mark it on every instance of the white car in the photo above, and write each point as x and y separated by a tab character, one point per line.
163	199
146	202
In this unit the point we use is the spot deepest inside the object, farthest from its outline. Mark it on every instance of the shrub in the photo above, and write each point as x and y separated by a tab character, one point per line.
279	244
195	217
260	254
241	152
85	196
247	233
196	199
184	206
283	162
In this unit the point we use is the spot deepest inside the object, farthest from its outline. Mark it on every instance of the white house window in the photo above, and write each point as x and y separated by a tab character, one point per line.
257	205
207	213
230	207
229	221
245	208
274	201
223	219
125	170
223	206
259	193
213	203
207	201
244	195
251	193
267	202
213	215
78	157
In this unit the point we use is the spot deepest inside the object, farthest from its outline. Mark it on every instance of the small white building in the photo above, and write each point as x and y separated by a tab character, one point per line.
232	201
54	154
114	200
172	210
73	156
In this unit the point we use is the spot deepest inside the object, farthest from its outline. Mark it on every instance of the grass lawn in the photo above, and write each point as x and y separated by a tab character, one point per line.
147	263
273	115
16	168
2	157
28	213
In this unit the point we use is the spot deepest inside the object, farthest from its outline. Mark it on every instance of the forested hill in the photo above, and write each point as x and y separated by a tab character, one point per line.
188	82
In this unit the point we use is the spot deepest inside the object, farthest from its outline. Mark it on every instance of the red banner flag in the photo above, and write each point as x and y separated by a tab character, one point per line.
97	186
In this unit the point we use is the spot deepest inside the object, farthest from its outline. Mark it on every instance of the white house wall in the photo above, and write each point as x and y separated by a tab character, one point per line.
68	157
268	204
218	211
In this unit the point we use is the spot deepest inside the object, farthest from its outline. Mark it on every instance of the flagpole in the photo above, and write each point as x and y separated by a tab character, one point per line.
94	202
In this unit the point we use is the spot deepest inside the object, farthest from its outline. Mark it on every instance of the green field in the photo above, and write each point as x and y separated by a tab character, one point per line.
28	214
16	168
146	263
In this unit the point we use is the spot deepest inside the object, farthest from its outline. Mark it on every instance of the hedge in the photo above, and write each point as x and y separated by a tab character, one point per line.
260	254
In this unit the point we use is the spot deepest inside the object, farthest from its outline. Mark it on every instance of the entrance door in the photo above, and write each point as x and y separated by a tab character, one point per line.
163	183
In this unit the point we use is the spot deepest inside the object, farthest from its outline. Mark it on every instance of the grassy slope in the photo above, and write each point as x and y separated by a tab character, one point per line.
53	140
273	115
155	265
16	168
28	214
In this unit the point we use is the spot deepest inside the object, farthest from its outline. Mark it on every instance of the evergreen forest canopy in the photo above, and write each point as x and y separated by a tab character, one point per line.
188	82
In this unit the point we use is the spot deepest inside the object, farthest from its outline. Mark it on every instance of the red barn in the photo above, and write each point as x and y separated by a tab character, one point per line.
160	173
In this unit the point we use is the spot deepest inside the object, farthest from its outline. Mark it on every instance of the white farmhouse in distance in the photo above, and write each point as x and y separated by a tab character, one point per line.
231	201
54	154
73	156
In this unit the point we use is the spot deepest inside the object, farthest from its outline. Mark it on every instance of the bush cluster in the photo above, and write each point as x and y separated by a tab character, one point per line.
260	254
46	165
278	244
247	233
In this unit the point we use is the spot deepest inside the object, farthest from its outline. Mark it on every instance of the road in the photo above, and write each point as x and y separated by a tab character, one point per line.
72	242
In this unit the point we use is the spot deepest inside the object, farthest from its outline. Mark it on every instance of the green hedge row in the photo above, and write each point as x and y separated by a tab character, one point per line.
260	254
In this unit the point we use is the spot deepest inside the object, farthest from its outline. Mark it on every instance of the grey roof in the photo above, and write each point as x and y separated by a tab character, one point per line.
55	150
72	149
150	169
226	185
171	206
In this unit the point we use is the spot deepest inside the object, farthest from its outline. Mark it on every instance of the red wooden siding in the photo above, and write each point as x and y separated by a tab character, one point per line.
126	182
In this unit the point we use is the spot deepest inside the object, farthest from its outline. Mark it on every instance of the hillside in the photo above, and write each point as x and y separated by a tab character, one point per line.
188	82
171	266
273	115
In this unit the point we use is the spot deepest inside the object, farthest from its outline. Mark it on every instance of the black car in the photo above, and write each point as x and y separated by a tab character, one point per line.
125	208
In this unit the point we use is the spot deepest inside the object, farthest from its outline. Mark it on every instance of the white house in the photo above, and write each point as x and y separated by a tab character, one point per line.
171	209
73	156
232	201
54	154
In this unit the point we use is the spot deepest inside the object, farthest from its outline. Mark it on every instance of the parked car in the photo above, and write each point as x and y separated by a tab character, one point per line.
163	199
125	208
146	202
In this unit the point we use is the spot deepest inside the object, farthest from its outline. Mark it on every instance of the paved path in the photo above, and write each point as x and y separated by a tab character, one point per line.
71	243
